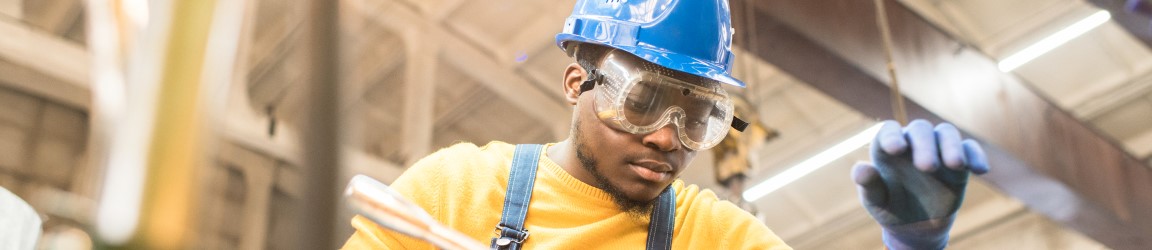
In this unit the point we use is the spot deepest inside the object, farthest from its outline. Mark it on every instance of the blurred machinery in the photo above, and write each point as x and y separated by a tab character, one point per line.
733	159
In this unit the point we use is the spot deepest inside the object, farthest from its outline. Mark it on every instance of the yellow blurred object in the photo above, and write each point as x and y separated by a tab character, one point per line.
159	65
732	158
176	151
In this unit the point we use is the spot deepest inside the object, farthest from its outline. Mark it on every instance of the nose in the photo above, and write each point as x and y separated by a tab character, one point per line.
663	139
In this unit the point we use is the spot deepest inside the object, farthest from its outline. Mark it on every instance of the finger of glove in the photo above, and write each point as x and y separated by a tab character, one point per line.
951	146
922	139
890	139
869	184
977	160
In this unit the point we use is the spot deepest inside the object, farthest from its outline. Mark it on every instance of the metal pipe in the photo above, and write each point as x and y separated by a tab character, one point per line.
321	127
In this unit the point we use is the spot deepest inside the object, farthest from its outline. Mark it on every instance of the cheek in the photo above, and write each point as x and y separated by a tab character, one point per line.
686	160
606	143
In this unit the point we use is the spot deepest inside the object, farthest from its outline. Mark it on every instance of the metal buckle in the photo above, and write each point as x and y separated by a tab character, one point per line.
504	241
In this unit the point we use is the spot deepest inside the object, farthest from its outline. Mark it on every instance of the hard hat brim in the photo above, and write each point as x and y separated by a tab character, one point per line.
671	60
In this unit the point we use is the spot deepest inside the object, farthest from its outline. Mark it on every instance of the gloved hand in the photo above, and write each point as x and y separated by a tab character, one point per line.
917	183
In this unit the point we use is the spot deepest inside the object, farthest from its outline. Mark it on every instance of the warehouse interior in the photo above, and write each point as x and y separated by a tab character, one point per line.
1069	132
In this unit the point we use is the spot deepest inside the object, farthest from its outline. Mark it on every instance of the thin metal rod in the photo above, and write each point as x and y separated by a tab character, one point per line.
379	203
897	99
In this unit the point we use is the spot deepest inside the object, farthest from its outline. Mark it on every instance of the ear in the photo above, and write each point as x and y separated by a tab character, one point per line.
573	76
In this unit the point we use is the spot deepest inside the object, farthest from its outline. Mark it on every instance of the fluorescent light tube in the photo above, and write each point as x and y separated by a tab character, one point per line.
811	164
1054	40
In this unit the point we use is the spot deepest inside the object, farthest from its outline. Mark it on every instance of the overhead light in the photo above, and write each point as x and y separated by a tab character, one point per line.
1054	40
811	164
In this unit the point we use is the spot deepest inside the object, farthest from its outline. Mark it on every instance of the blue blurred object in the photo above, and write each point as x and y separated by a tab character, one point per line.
690	36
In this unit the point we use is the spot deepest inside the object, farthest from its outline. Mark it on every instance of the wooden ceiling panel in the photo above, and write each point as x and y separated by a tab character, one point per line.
830	190
275	59
493	119
378	134
784	216
381	103
457	95
275	82
992	22
12	8
490	23
386	94
1074	72
1127	121
1024	231
370	53
276	21
545	68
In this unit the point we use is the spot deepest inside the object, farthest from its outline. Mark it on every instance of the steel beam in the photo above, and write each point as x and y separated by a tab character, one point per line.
1042	155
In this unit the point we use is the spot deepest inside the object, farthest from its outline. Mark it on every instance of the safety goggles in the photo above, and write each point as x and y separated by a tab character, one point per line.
640	97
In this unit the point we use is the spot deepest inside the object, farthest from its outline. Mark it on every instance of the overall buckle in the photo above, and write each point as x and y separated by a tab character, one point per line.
513	237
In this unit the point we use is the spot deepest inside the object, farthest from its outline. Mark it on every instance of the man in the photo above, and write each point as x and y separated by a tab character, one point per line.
647	97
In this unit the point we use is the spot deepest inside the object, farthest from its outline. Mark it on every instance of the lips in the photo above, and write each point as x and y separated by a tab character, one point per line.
652	170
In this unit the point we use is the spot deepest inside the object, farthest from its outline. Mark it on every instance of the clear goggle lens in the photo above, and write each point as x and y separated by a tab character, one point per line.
640	97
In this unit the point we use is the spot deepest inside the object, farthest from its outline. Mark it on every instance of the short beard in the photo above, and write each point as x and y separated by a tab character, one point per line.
637	209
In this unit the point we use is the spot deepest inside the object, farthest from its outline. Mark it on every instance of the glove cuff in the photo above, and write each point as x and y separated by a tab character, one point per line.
930	234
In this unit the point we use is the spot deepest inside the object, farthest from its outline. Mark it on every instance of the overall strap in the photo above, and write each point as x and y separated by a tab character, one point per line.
662	221
520	181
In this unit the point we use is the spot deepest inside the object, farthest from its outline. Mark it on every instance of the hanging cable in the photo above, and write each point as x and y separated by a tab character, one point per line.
897	99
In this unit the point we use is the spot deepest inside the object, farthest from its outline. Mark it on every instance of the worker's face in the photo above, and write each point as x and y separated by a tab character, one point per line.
633	169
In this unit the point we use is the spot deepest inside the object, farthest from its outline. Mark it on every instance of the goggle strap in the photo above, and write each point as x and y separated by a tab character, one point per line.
586	86
739	124
593	77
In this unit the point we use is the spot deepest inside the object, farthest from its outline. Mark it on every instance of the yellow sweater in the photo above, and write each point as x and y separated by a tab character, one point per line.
463	187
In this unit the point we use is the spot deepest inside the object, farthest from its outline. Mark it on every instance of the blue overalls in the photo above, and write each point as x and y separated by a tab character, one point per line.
520	182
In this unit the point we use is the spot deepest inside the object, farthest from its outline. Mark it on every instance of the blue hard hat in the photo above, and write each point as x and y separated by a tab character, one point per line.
691	36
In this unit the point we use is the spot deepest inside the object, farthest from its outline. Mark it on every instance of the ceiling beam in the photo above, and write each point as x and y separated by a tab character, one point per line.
1057	165
61	76
56	16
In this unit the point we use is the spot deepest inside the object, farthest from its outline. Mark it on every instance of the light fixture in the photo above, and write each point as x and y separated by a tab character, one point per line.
811	164
1054	40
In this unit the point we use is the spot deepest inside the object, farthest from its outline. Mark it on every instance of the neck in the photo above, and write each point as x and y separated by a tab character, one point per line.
564	153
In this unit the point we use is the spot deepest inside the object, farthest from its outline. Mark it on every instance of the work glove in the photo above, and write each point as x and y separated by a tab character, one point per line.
916	181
